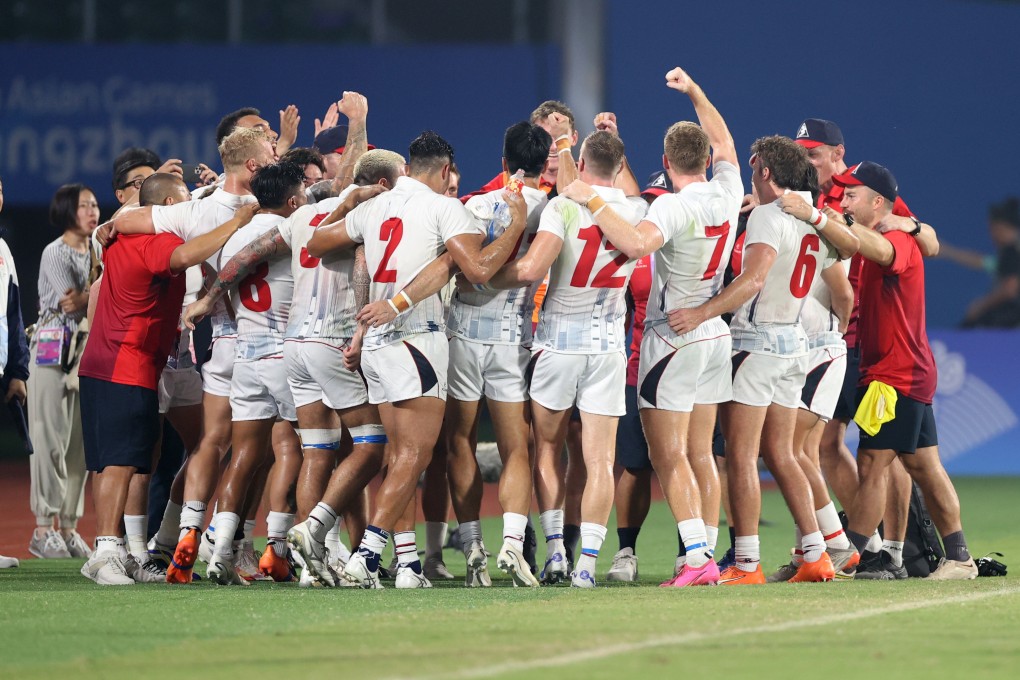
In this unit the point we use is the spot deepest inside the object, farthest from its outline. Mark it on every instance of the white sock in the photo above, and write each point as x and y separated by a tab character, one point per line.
552	525
713	537
470	533
514	525
746	549
895	550
134	527
226	526
169	528
406	548
321	521
695	541
279	524
813	545
332	540
831	527
435	537
249	530
592	537
874	543
108	545
192	516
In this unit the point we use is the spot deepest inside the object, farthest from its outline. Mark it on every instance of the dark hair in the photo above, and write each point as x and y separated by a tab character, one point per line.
602	153
229	122
64	206
788	162
304	156
273	184
158	187
128	160
526	147
1008	212
428	152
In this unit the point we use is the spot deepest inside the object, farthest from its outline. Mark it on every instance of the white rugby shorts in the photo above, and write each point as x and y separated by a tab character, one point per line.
675	372
407	369
497	370
824	381
315	371
763	379
218	370
259	390
595	383
179	387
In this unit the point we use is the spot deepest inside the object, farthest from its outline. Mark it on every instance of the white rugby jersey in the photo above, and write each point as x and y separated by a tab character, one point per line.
500	317
820	324
262	300
698	227
194	218
403	230
585	303
770	321
323	305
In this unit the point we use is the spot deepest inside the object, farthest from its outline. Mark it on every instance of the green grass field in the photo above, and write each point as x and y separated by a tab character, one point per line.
54	623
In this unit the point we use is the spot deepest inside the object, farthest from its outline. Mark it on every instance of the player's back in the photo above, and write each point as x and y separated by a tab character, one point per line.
585	303
698	226
403	230
502	316
262	303
323	304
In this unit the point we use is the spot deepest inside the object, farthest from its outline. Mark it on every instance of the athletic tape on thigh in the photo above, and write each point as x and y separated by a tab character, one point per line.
320	439
368	434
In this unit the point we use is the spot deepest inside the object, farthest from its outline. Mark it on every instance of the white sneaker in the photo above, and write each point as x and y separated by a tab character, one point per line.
221	570
50	546
477	567
247	563
435	568
153	571
206	547
555	569
624	567
313	555
953	570
511	561
8	562
77	546
356	574
408	578
582	579
107	570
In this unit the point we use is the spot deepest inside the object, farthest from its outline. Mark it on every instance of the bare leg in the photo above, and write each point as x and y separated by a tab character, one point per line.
838	464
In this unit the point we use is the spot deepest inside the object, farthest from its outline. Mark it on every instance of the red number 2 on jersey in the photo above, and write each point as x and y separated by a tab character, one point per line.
804	269
722	233
594	241
391	231
254	291
307	261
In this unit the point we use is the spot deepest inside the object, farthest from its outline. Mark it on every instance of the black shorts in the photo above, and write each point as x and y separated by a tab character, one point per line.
631	447
846	405
913	427
718	442
119	423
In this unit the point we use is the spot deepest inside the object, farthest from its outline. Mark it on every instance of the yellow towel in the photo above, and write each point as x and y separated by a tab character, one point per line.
877	407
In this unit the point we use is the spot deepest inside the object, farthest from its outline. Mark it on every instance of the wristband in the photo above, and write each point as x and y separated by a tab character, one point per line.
400	302
595	204
407	301
562	144
818	219
393	306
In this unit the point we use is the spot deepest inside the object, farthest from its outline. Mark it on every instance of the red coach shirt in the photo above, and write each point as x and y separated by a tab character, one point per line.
832	198
136	318
640	285
892	336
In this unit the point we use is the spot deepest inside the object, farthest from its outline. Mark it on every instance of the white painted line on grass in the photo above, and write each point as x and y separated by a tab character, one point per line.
605	651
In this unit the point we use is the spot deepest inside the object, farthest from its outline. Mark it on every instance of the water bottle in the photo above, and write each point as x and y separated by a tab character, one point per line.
501	216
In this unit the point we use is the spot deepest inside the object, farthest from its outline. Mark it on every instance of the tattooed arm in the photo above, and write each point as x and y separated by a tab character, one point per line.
269	246
355	107
362	281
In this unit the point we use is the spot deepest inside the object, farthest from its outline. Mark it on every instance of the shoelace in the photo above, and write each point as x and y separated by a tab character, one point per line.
116	565
54	542
154	568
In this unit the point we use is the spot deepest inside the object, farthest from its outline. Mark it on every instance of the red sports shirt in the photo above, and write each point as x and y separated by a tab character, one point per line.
136	318
892	336
640	285
832	198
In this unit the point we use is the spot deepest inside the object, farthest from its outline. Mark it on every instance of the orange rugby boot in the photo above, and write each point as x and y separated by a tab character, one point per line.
274	566
180	567
815	572
734	576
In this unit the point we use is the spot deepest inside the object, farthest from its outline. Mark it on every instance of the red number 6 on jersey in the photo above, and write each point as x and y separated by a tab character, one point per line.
804	269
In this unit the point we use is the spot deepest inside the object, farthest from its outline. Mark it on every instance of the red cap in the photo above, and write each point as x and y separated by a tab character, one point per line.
808	143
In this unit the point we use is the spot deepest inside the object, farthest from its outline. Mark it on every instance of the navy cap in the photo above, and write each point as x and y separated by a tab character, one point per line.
871	175
331	140
658	184
815	132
